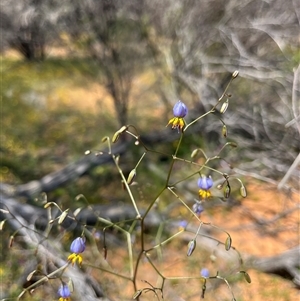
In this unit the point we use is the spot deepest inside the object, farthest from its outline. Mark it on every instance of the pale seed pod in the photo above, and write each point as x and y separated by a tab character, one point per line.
71	285
30	275
115	137
232	144
243	191
131	176
123	129
63	216
224	106
235	74
137	294
247	277
2	224
228	243
194	153
48	204
77	211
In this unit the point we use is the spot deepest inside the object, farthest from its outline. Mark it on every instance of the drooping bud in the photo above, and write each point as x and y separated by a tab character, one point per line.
235	74
131	176
63	216
2	224
243	191
224	106
246	276
115	137
228	243
227	191
137	294
191	247
194	153
30	275
224	131
123	129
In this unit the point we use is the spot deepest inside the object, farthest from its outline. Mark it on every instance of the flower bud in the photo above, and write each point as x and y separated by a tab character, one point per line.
224	131
235	74
115	137
63	216
137	294
131	176
191	247
224	106
123	129
194	153
243	191
227	191
228	243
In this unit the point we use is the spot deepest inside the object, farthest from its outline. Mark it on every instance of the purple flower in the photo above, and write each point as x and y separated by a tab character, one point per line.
182	224
64	292
180	109
78	245
205	183
198	208
204	273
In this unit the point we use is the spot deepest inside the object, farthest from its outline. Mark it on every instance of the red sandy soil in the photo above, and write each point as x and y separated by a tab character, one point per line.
249	238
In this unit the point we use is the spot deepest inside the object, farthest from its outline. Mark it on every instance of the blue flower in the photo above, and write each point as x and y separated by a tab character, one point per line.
64	293
182	224
198	208
204	273
77	247
205	183
179	111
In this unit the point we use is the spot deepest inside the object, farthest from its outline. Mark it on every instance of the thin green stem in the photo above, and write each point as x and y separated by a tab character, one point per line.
127	187
173	161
